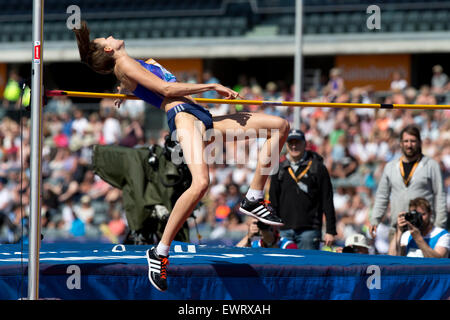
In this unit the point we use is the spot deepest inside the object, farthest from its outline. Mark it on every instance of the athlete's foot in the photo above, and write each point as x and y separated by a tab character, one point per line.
157	269
260	210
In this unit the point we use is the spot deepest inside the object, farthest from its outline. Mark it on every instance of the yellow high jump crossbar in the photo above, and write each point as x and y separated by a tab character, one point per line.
79	94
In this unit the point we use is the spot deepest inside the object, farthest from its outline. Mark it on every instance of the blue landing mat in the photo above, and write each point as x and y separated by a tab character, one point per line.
108	271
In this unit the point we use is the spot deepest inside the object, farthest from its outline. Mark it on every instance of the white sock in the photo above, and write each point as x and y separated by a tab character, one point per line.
162	250
253	194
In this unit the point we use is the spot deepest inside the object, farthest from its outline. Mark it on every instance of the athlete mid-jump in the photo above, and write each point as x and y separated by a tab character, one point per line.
154	84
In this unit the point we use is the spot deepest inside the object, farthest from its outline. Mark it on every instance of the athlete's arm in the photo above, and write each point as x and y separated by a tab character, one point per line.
136	72
122	90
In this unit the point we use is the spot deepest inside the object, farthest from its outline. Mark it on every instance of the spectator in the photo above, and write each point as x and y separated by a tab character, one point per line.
344	165
65	123
410	95
77	229
60	140
381	242
79	123
413	176
85	212
355	243
59	105
6	196
240	174
241	83
208	78
397	97
221	213
68	214
425	96
256	93
97	127
235	228
222	210
117	224
64	161
398	82
382	122
100	189
439	80
219	109
341	200
353	219
335	86
233	196
301	193
70	187
7	216
421	238
269	237
133	134
271	93
112	131
133	109
12	91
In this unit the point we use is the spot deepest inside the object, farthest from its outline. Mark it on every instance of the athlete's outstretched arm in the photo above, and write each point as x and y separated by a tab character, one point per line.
121	89
136	72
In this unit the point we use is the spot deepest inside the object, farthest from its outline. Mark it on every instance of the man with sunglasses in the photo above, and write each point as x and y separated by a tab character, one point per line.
301	194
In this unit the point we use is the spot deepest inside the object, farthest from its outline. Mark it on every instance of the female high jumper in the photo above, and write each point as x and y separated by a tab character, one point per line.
152	83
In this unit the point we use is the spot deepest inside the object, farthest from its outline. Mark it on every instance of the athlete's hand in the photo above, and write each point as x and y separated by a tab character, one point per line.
118	102
227	93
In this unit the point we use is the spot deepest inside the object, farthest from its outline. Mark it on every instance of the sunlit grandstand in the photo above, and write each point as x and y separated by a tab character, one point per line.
252	47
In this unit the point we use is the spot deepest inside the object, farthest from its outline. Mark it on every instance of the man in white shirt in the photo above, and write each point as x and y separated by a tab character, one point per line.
398	83
79	123
112	132
6	196
421	238
439	80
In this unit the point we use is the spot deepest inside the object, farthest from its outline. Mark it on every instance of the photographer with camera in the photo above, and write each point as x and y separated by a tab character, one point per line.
269	236
416	236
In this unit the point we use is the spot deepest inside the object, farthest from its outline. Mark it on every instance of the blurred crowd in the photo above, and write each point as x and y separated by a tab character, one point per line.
355	145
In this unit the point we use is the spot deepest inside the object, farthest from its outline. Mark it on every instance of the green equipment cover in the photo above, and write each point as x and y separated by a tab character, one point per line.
150	183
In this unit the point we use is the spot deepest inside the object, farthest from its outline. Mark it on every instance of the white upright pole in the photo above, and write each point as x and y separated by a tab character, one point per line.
298	63
36	151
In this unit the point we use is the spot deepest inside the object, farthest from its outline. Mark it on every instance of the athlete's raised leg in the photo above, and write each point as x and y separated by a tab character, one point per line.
276	130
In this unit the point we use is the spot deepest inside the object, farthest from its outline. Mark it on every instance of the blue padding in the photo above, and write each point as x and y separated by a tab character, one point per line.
221	273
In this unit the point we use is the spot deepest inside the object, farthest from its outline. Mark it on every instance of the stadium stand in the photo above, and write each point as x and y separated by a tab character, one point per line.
185	19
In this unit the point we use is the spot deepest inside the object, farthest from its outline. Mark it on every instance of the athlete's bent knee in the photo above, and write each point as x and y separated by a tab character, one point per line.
285	127
200	185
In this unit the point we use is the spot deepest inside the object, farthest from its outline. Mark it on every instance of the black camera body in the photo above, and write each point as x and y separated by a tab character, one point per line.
262	226
415	218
